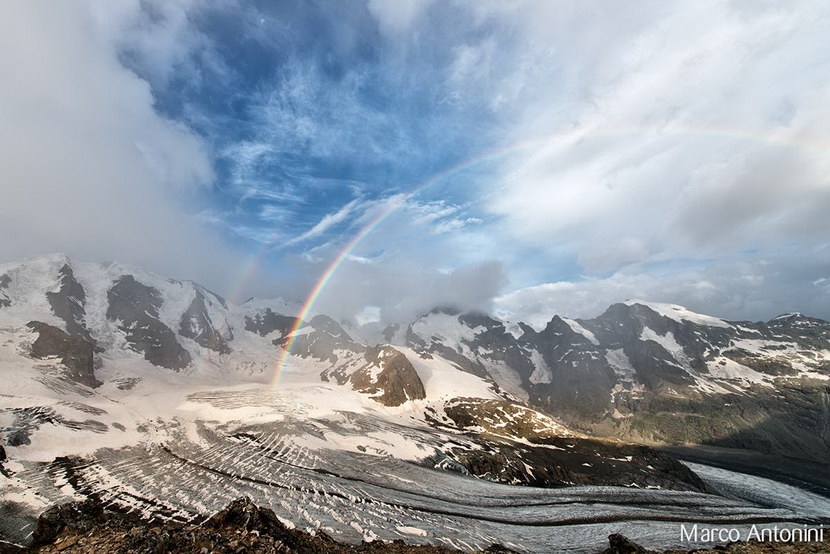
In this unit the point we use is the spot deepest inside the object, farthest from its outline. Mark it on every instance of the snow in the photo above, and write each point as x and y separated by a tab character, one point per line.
619	362
442	381
445	328
579	329
541	371
724	368
679	313
668	342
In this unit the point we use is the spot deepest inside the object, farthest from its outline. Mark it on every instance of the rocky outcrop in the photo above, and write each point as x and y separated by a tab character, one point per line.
267	322
136	309
520	446
388	376
323	341
5	280
196	324
68	303
75	352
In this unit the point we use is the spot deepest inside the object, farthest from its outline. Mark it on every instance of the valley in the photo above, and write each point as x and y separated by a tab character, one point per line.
154	397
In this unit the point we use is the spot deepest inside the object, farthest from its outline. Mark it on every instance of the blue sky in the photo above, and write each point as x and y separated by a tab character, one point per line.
590	151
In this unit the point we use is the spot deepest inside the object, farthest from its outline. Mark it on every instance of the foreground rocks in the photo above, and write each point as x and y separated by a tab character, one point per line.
85	527
241	527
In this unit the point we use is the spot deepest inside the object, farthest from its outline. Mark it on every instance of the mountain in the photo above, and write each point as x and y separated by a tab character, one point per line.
156	396
656	373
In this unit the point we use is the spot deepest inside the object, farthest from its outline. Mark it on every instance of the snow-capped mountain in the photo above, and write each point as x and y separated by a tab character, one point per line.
157	395
656	373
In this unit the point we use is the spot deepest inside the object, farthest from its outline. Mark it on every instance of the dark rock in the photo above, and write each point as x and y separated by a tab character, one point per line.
18	437
76	352
197	325
268	322
78	516
136	307
554	457
321	343
397	379
68	304
620	544
5	281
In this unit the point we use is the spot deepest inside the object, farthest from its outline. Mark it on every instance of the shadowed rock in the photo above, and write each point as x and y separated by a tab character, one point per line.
75	352
136	309
68	304
196	324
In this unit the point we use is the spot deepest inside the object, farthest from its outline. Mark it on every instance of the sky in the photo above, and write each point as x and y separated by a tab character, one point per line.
525	158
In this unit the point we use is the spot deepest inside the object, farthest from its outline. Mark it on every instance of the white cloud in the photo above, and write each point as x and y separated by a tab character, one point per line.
659	131
87	165
746	287
326	223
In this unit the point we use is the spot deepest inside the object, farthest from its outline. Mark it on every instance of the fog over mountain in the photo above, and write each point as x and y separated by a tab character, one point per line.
526	158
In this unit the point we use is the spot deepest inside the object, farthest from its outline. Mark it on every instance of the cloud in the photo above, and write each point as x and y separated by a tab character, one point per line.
88	166
325	223
747	287
666	139
400	292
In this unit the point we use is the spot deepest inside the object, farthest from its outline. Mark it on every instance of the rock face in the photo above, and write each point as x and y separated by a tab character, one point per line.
267	322
5	280
75	352
136	309
68	303
197	324
388	376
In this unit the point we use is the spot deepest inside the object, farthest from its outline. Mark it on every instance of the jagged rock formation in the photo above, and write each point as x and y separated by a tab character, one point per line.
381	371
136	309
5	302
267	322
75	352
68	303
197	324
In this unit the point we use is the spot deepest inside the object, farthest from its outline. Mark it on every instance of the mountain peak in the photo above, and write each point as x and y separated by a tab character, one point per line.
679	313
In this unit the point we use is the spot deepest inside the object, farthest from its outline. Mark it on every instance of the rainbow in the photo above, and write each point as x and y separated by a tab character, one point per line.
562	140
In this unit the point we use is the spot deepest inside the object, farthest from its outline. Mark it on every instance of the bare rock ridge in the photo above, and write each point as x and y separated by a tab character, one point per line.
75	352
136	309
241	526
267	322
5	302
196	324
68	303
